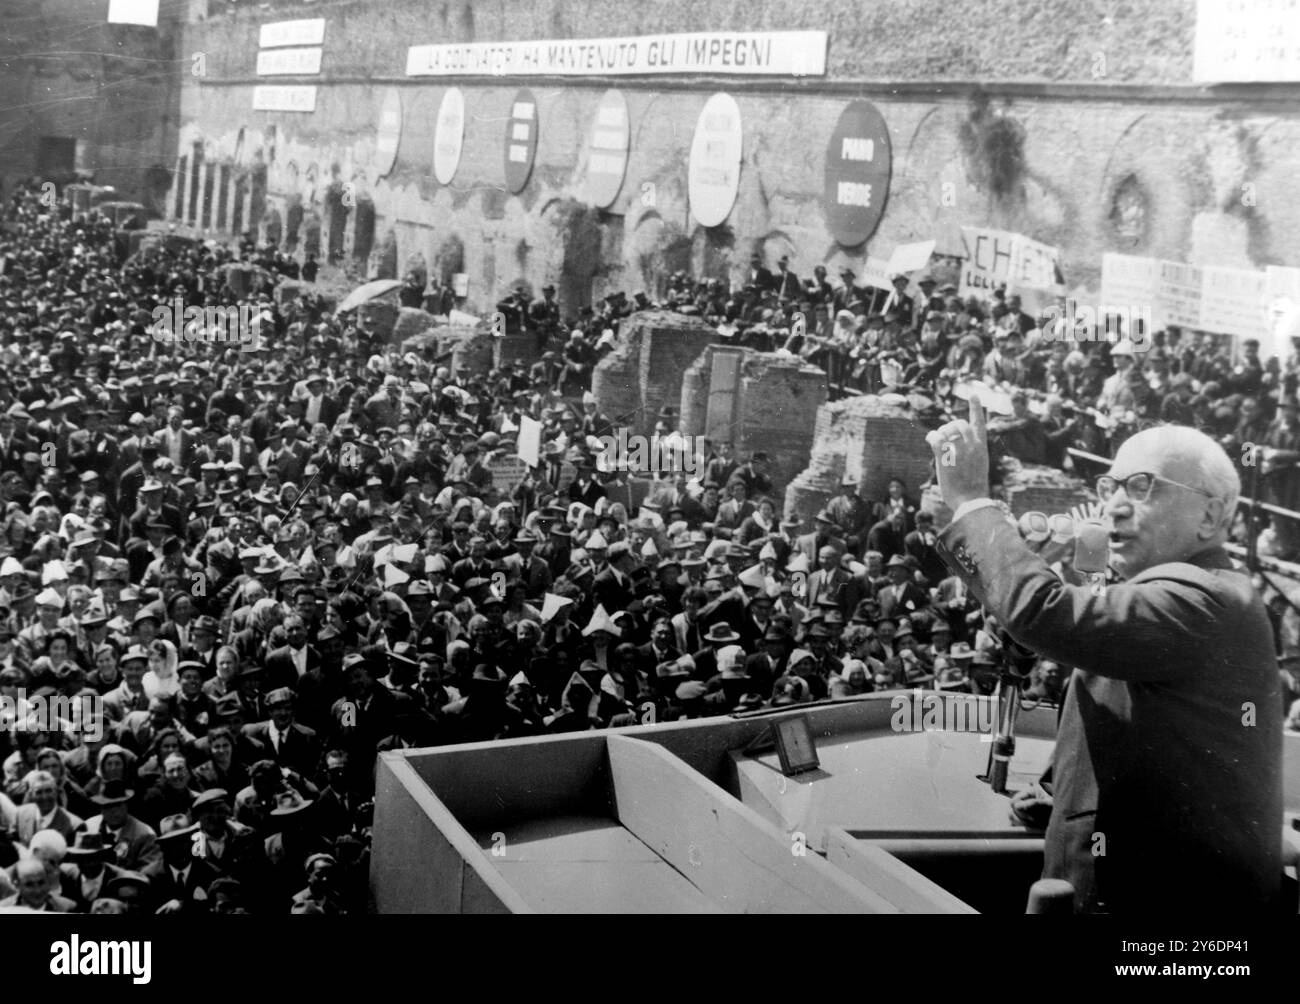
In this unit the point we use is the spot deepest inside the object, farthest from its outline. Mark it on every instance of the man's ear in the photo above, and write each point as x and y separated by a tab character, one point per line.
1214	517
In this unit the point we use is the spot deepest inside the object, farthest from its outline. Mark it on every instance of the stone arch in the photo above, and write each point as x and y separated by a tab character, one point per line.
182	169
221	221
417	265
256	193
712	249
196	175
272	228
386	260
239	208
311	235
449	259
363	232
293	216
570	233
336	223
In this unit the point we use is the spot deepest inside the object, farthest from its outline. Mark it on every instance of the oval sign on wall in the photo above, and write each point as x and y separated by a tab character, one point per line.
390	132
714	172
859	162
607	150
449	136
521	140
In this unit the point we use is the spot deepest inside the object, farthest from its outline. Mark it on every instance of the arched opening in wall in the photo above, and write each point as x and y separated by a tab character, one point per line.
257	193
363	234
223	198
711	252
610	277
311	236
182	169
573	231
450	260
386	264
209	196
293	224
658	250
196	172
272	228
240	203
336	217
418	267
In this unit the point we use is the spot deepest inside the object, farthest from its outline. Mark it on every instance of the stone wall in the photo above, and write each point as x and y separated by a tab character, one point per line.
1075	123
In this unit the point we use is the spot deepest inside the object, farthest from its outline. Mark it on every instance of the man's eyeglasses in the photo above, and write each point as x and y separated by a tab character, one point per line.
1138	487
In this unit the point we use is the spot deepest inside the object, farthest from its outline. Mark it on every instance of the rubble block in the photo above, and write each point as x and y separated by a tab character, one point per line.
379	316
243	279
871	437
1030	487
472	350
412	321
774	408
517	349
644	370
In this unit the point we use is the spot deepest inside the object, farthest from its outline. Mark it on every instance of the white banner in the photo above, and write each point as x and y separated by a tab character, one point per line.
999	256
1234	301
133	12
1179	289
1129	283
284	98
909	258
309	32
529	441
1247	41
303	62
748	53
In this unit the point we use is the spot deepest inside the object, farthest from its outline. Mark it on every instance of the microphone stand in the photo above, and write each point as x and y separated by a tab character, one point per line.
1017	663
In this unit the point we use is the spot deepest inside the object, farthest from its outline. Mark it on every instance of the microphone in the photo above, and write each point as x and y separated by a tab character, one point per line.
1092	553
1035	527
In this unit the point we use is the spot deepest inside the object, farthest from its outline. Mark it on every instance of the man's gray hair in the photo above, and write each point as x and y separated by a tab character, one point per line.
1213	470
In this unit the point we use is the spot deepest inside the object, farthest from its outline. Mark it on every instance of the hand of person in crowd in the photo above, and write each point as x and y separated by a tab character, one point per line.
171	906
1031	807
961	457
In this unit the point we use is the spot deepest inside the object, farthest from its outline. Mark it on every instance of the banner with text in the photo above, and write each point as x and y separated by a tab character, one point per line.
994	257
752	53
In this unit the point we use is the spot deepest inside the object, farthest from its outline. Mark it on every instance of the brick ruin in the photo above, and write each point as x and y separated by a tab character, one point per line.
643	372
757	401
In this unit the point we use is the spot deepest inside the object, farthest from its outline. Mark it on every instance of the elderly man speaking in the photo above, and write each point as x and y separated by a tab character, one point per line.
1168	765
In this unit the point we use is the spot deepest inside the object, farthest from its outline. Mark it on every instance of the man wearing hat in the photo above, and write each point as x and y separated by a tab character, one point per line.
525	566
182	883
544	317
134	843
87	869
291	745
903	595
850	510
227	847
612	588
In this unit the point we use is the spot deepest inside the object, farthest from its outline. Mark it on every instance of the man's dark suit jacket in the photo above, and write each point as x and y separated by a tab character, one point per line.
280	670
611	594
1169	748
300	753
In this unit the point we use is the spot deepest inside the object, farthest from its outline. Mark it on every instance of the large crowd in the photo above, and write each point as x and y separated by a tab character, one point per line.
245	570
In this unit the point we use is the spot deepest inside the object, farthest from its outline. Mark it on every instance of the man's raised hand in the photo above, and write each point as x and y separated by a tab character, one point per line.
961	457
